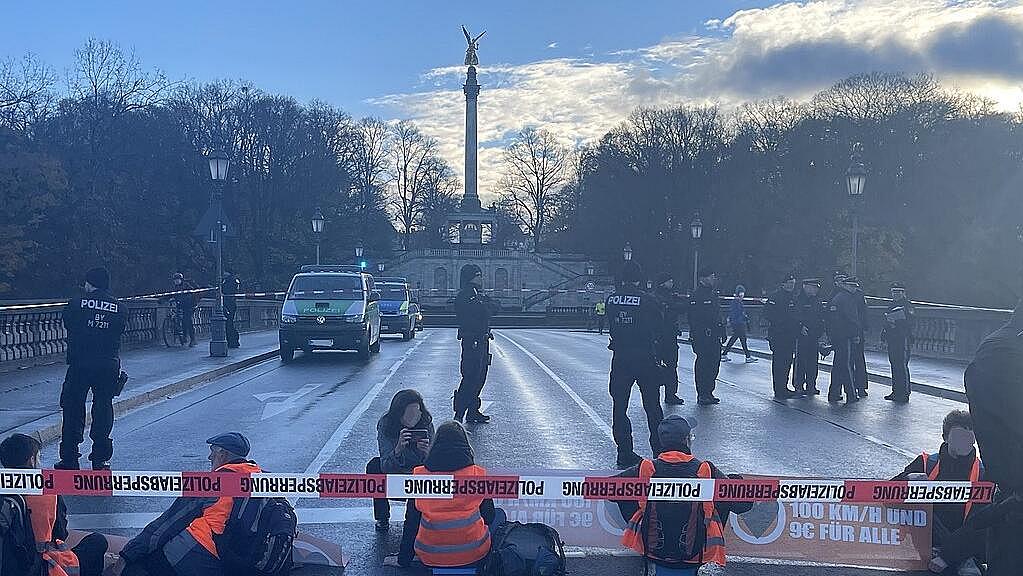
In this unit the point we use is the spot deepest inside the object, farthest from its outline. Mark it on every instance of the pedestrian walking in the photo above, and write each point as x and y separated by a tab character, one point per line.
843	325
706	334
898	337
230	288
635	326
738	322
811	311
473	310
671	309
94	323
783	316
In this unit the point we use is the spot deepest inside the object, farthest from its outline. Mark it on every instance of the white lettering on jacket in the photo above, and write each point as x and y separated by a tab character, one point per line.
624	300
99	305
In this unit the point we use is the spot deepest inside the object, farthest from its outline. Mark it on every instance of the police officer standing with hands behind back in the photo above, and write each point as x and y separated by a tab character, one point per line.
707	335
898	335
635	325
94	323
473	310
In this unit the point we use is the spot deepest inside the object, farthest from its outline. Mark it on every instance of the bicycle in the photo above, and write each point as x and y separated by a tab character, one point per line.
173	333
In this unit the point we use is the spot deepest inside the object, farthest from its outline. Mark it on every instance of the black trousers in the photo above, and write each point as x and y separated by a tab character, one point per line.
90	552
102	380
474	364
738	333
783	354
805	378
628	369
185	316
232	331
898	357
600	323
707	364
841	371
957	544
859	365
669	372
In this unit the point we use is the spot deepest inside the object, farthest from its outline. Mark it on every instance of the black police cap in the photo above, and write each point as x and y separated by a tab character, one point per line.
898	286
812	282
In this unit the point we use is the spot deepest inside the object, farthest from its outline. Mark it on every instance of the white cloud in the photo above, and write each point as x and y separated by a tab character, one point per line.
552	45
791	49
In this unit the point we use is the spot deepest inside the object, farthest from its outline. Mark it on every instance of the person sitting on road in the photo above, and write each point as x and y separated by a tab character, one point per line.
449	533
660	531
955	543
33	528
181	541
403	435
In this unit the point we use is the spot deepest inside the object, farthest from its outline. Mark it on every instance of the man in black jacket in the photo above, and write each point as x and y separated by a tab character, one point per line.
810	311
231	287
671	309
783	315
898	335
707	334
994	387
843	325
473	310
94	323
858	354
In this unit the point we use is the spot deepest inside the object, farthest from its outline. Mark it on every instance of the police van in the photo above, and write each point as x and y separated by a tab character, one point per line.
397	314
330	308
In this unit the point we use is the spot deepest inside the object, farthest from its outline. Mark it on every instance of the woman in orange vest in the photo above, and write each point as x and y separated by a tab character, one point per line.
47	524
449	533
662	531
953	539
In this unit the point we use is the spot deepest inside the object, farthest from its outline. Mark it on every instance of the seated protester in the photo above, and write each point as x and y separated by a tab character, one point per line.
33	528
660	531
400	452
954	542
181	541
449	533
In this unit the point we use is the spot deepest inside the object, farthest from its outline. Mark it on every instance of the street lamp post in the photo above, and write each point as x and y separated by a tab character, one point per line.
627	252
696	231
358	253
855	179
219	165
380	267
317	230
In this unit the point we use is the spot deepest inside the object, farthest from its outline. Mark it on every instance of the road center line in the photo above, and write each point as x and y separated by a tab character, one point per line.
345	428
578	400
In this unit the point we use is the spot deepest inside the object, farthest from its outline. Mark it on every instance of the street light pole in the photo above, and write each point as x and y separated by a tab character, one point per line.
696	231
855	179
219	165
317	222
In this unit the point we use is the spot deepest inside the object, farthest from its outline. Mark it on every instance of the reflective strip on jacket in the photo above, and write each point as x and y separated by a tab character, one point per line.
214	517
59	559
713	547
451	532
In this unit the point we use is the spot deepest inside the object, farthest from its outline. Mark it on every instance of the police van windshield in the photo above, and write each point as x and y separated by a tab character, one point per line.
325	287
393	292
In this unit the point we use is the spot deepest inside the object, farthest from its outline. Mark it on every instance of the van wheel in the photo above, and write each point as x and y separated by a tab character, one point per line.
287	355
375	347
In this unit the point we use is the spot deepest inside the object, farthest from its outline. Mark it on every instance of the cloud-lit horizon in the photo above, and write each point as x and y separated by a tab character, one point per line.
792	49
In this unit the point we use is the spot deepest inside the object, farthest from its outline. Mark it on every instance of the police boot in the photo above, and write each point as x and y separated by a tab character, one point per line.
101	465
66	465
477	417
674	400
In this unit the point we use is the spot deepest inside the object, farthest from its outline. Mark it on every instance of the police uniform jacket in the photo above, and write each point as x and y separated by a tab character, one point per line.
899	321
473	310
843	318
94	324
635	321
811	311
783	315
671	309
705	315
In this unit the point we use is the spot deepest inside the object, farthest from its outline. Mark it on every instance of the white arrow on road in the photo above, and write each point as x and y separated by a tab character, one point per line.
271	409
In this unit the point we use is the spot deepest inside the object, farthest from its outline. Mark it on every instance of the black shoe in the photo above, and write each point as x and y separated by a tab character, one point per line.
383	525
477	418
862	393
899	399
852	400
66	465
833	399
784	395
629	460
674	400
814	391
708	400
101	465
460	417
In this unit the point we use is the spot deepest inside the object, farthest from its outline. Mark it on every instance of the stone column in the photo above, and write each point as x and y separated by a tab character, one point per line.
471	200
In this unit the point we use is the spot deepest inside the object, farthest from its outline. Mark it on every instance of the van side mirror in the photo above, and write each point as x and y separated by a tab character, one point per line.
374	296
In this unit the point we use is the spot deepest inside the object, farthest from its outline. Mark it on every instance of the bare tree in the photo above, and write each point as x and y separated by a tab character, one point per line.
535	169
413	159
26	91
103	71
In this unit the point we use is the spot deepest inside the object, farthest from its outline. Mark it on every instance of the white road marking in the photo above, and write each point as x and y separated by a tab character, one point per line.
272	409
557	379
345	428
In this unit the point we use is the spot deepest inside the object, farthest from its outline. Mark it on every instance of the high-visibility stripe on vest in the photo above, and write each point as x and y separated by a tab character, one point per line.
932	474
60	560
714	547
214	518
452	532
599	308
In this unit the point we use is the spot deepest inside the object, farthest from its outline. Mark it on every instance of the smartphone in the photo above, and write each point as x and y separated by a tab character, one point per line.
418	435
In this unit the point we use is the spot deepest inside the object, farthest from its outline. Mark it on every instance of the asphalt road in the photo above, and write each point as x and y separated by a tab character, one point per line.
547	392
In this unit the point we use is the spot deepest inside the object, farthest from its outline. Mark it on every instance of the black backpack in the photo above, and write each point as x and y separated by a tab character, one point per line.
525	550
674	533
18	556
258	537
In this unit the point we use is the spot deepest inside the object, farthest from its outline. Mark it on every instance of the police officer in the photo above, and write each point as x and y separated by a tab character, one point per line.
810	309
186	304
783	316
898	336
473	310
707	334
600	310
671	308
94	324
858	359
843	325
230	287
635	324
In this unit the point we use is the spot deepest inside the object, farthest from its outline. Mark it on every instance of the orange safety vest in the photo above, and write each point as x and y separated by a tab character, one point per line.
932	474
60	560
214	518
451	532
714	547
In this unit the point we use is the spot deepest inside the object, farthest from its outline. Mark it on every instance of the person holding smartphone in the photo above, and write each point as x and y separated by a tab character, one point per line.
403	435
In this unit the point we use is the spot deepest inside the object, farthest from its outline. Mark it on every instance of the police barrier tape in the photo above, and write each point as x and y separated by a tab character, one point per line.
440	486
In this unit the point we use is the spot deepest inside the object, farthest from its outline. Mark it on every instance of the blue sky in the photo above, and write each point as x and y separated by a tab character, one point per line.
575	67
